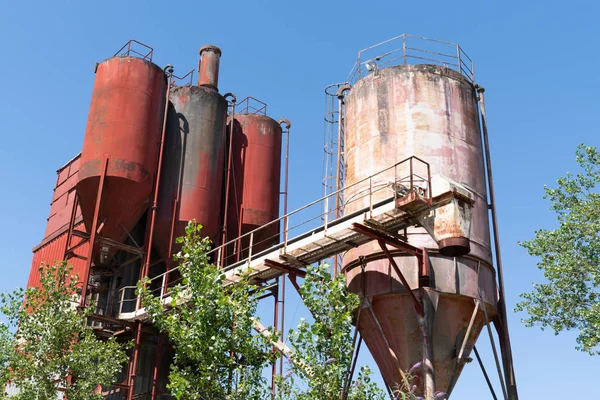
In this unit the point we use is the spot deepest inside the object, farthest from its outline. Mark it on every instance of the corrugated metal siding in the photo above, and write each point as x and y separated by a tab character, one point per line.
53	251
63	197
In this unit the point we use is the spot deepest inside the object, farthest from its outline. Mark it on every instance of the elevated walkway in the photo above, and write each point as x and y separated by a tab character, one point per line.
387	202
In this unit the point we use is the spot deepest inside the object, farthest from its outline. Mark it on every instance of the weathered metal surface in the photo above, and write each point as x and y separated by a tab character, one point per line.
52	250
63	198
450	224
429	112
210	57
255	187
124	125
193	164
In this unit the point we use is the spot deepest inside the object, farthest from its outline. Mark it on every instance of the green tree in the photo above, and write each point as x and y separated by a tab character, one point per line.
6	348
210	323
54	349
325	345
569	256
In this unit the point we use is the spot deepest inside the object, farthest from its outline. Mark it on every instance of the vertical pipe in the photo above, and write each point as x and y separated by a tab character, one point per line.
429	186
505	346
288	125
156	367
339	166
148	240
285	211
282	330
133	365
169	70
240	226
169	261
88	261
208	74
228	175
410	163
275	326
370	197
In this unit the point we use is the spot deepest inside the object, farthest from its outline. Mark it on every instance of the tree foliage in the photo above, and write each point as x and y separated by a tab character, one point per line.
569	256
6	348
217	356
54	348
325	345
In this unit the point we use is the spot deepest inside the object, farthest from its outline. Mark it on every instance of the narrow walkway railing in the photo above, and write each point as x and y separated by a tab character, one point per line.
409	49
399	180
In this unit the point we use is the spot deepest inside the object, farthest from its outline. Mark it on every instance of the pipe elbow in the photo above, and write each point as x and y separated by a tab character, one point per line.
233	98
343	89
285	121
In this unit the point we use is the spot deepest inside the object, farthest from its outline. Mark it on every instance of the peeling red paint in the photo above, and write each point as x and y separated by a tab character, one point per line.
256	179
428	112
124	125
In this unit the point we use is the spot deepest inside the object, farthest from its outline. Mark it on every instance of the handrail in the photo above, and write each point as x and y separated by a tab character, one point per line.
448	54
367	193
177	79
130	51
246	106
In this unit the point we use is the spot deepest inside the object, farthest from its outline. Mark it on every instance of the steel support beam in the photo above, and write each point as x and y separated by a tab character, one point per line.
285	268
92	241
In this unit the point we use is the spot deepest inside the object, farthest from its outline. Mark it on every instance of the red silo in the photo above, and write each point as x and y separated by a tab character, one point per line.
124	126
254	188
193	166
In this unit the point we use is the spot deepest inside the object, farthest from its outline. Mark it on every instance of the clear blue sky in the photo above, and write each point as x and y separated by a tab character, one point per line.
541	98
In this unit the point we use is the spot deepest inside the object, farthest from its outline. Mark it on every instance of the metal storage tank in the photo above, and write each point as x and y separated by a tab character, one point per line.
124	125
193	164
255	183
430	112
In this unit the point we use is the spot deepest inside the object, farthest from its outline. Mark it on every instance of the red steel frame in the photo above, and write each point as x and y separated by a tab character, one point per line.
95	233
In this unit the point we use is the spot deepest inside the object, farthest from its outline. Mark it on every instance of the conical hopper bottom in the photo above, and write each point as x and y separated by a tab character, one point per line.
397	326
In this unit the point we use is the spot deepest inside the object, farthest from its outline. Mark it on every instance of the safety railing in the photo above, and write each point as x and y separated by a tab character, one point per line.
251	105
133	48
409	49
185	80
411	175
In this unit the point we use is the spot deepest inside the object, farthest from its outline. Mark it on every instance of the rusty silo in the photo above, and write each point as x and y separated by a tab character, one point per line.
124	127
428	111
255	179
193	167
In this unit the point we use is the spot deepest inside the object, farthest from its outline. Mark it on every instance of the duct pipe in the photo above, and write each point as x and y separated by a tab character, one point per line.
505	346
208	68
228	178
288	125
338	212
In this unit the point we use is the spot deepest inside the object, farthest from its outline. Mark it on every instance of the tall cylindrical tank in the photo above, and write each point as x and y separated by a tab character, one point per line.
124	125
193	166
429	112
254	186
